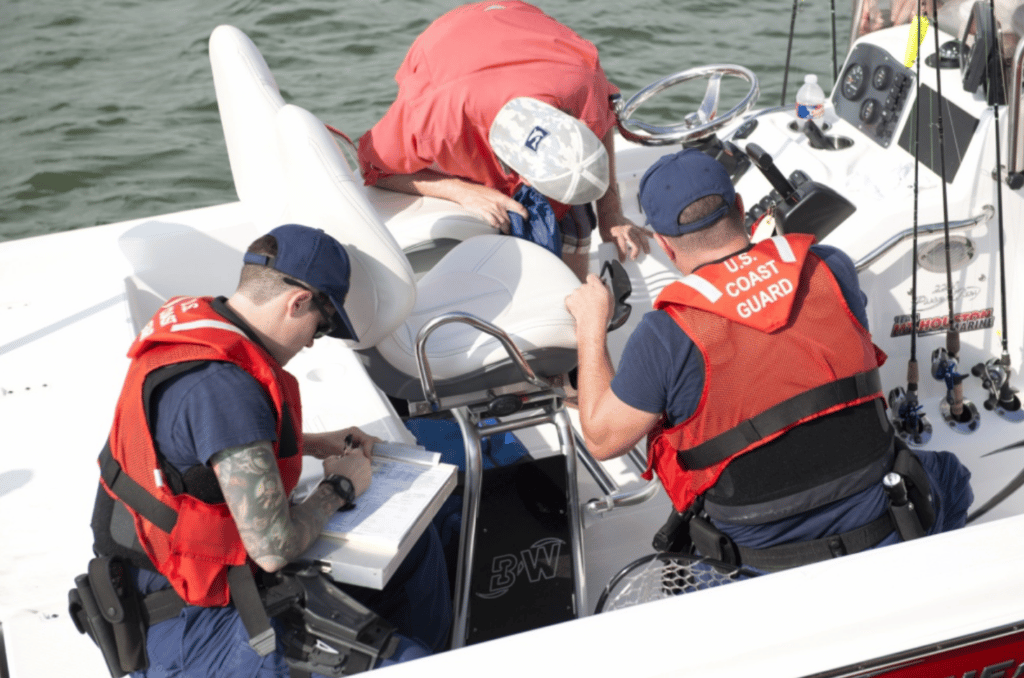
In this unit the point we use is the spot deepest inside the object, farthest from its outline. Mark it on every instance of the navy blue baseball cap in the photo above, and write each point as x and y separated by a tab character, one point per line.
316	259
675	182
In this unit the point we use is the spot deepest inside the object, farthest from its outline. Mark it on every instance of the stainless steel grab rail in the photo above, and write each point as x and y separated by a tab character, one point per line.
472	433
613	496
987	213
427	378
623	499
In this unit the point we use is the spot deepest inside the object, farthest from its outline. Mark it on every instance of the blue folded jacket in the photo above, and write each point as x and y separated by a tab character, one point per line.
541	227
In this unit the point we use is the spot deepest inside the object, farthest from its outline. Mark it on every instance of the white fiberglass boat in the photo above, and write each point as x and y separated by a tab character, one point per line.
938	236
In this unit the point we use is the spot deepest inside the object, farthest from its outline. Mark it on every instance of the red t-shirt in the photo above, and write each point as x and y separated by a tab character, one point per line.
459	73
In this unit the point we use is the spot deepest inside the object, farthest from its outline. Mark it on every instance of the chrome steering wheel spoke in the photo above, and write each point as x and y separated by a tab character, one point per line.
709	107
702	123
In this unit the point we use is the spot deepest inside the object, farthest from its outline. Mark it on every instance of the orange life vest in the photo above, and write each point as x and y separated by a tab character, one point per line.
204	542
772	326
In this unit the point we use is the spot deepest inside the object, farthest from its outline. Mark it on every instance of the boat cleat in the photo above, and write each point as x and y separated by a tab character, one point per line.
1002	399
908	418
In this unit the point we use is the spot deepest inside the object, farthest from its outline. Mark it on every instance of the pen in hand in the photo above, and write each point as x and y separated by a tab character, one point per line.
350	446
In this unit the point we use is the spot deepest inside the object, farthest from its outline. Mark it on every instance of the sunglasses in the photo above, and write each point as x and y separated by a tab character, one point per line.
326	325
615	277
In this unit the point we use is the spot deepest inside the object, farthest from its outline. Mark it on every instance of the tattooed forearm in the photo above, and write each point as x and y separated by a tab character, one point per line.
273	532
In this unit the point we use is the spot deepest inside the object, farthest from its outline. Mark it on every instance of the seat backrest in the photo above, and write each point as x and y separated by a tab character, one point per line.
249	99
322	192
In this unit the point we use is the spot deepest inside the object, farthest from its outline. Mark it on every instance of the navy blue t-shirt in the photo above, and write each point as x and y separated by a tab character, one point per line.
208	409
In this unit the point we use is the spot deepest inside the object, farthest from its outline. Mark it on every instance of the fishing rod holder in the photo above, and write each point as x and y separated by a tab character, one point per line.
908	418
1002	398
944	368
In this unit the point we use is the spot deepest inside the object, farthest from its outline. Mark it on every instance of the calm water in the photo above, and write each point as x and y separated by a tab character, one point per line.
107	108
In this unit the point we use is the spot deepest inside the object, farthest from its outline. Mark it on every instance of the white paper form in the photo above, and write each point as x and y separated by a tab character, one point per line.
385	513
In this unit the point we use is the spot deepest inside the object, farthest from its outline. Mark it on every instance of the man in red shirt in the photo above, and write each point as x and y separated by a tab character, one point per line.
480	90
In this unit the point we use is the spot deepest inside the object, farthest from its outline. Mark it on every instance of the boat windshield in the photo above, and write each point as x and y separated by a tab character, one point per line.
872	15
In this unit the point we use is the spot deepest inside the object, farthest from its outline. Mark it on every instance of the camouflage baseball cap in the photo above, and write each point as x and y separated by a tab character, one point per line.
553	151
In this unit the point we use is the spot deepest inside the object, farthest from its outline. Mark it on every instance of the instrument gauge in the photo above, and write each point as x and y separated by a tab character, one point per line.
881	77
869	111
853	82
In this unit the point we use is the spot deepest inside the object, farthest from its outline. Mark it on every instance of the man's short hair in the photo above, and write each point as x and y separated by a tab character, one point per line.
260	284
719	233
675	182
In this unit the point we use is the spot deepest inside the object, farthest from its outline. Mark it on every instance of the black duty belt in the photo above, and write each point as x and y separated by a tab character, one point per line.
711	542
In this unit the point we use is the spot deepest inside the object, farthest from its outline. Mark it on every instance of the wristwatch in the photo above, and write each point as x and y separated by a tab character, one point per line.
342	487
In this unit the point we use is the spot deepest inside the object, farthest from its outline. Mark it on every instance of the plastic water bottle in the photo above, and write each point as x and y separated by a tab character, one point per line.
810	100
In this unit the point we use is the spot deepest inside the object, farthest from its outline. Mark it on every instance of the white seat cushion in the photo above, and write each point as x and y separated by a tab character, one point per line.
249	99
415	220
516	285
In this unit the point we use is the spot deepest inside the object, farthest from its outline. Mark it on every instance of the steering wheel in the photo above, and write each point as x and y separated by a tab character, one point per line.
697	125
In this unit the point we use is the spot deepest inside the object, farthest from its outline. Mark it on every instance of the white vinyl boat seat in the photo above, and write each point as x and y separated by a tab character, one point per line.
513	284
249	99
288	168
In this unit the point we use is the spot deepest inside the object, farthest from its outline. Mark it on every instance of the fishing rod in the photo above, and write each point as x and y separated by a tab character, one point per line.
789	48
835	64
908	418
789	51
960	413
995	372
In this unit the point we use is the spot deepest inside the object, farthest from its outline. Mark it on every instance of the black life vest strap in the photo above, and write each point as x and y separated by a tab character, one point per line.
245	596
135	496
779	418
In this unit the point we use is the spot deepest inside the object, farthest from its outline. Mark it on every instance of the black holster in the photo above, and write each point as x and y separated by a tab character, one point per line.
105	605
912	504
674	535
